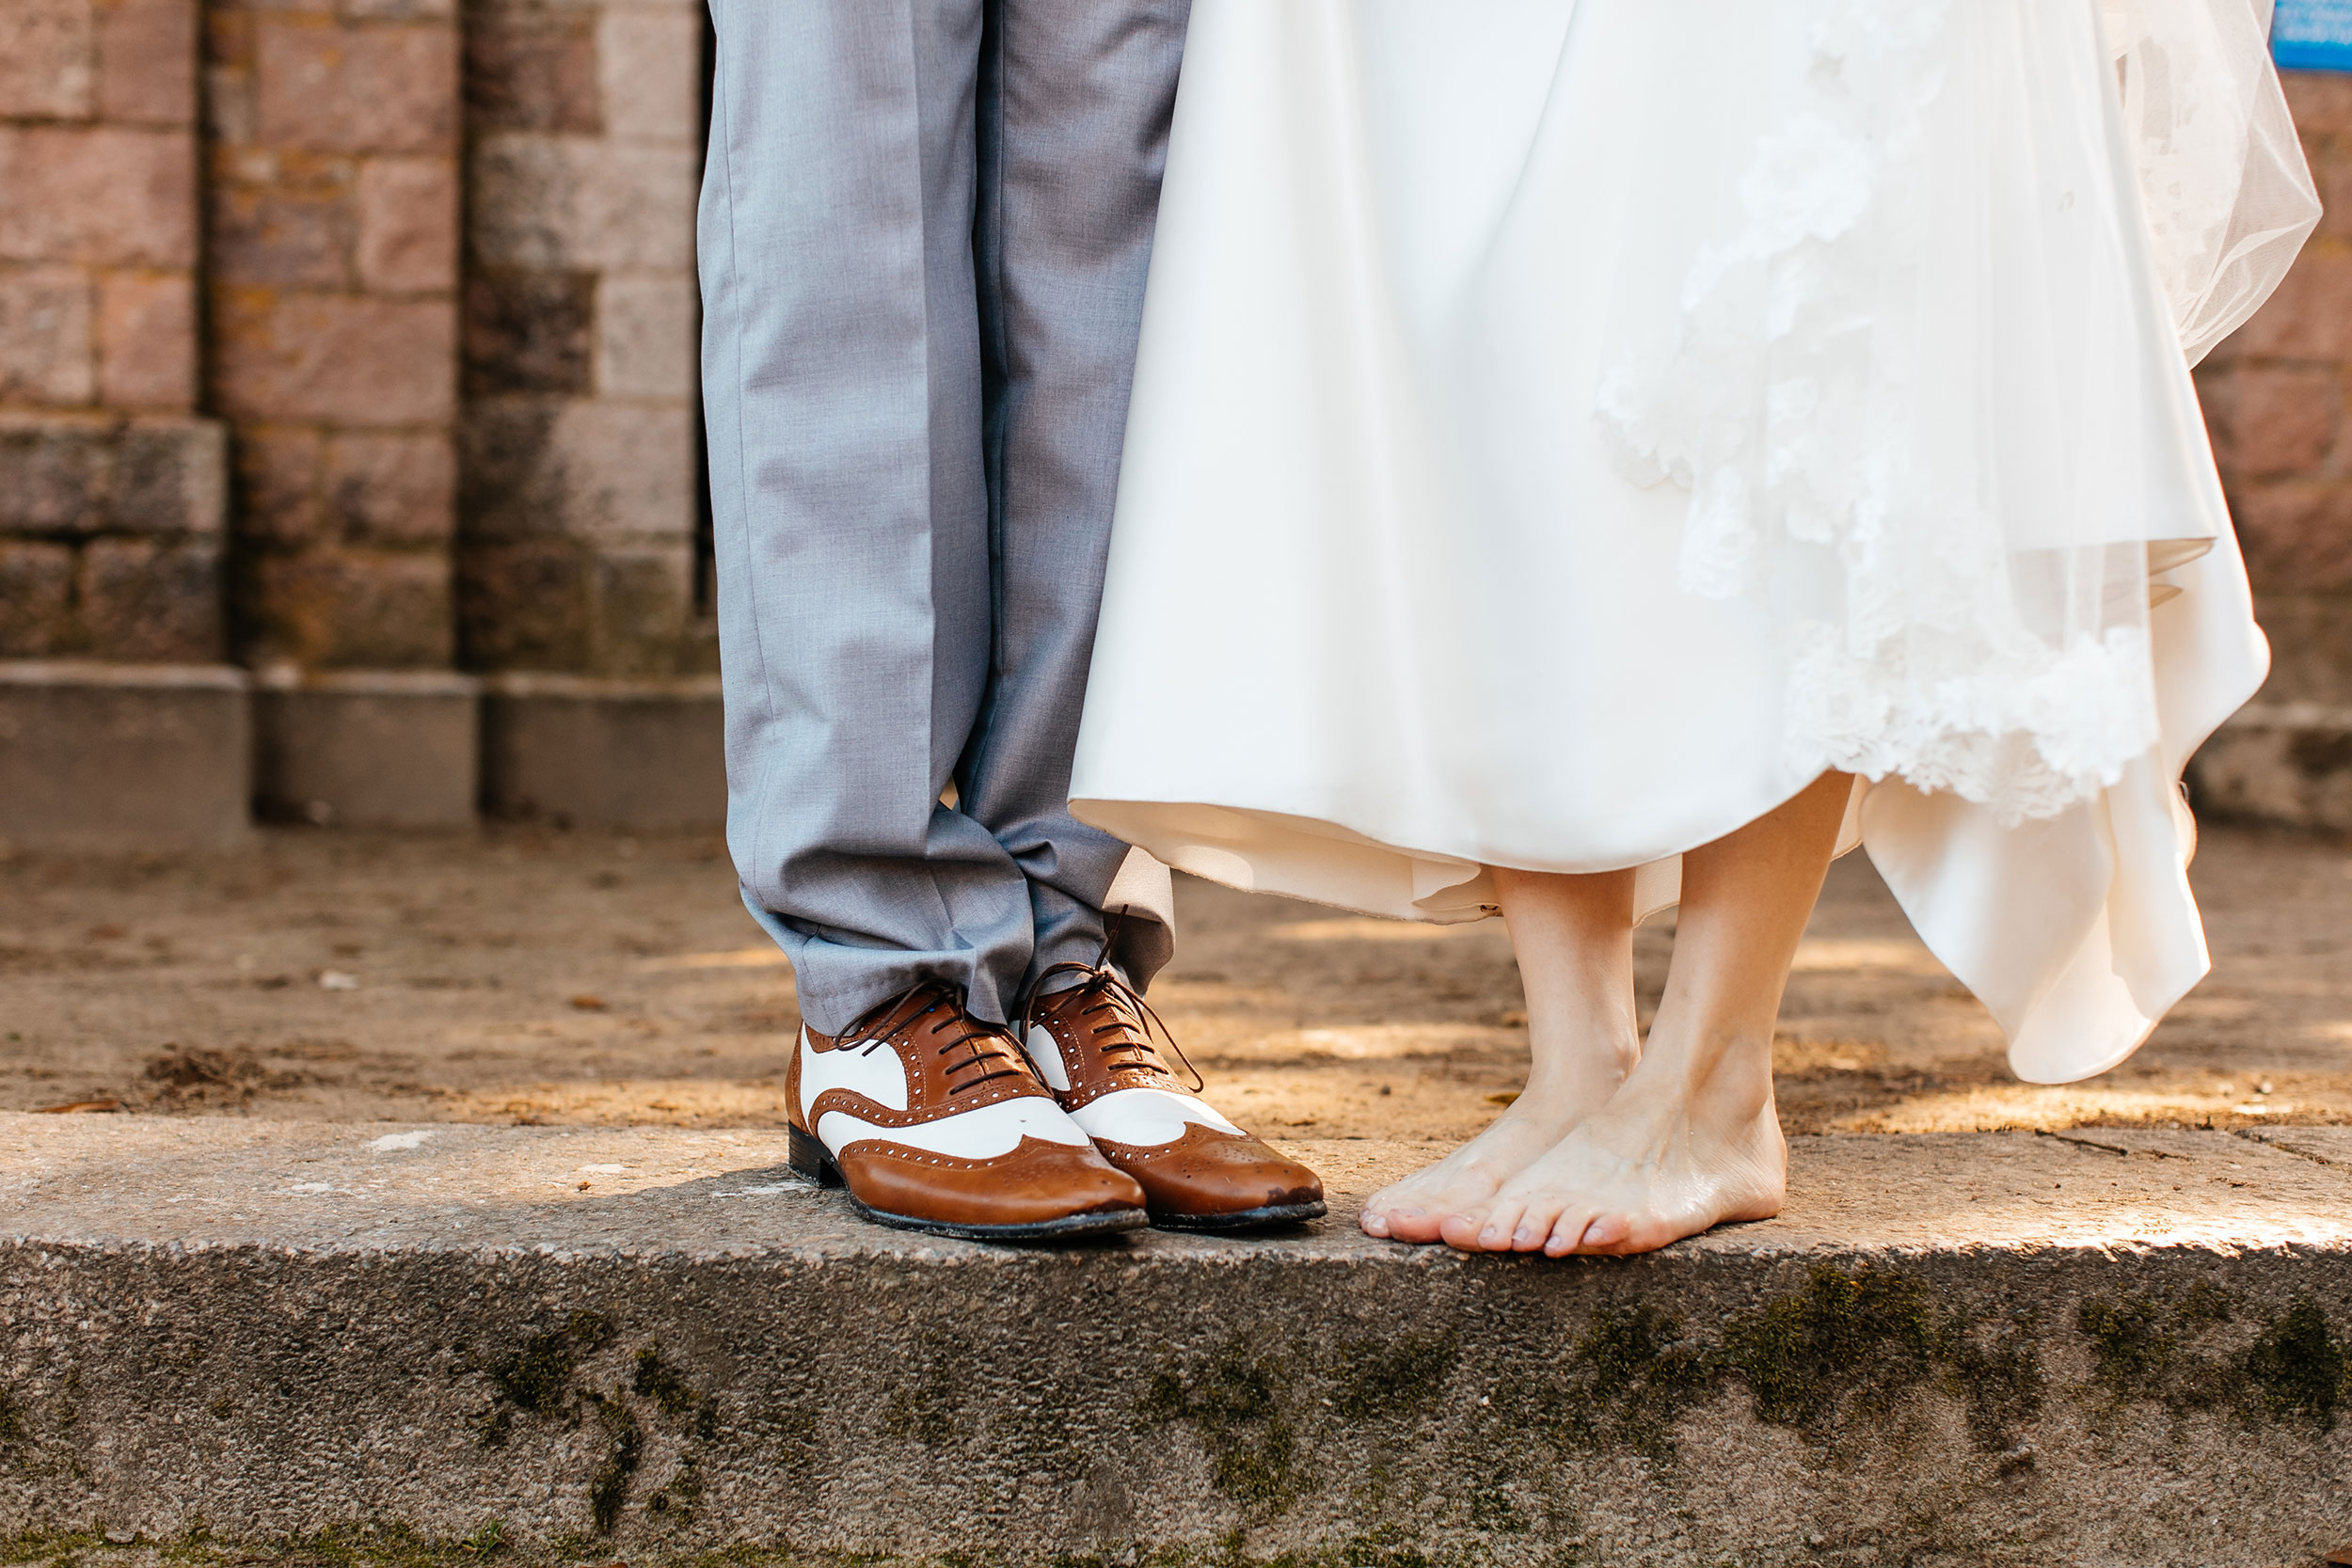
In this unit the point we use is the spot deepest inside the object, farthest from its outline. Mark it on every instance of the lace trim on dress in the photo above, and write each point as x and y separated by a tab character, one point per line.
1931	637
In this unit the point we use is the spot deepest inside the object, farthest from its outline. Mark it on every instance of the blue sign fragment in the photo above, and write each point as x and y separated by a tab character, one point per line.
2313	34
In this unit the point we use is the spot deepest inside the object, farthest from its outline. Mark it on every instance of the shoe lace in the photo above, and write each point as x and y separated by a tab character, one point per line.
1131	1022
988	1048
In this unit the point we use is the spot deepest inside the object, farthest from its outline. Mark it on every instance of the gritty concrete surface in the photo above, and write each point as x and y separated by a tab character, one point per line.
386	1268
587	1342
523	974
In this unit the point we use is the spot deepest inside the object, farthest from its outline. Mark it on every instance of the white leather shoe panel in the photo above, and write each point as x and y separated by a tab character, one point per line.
981	1135
1142	1117
1046	1058
877	1073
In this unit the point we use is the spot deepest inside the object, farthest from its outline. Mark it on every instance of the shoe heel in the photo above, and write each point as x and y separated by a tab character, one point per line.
809	1160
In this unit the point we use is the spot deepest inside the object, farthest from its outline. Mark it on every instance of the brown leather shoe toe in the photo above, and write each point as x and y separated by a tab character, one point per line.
1211	1179
1197	1170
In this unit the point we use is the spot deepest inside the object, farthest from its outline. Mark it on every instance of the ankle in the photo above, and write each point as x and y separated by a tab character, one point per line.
1730	1075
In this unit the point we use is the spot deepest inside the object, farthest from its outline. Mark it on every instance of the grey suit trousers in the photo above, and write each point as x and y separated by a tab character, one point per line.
924	233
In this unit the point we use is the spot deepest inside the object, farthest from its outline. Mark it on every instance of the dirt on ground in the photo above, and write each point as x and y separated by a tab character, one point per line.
520	975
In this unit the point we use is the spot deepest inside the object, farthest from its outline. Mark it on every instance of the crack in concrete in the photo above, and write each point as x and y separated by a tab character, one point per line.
2252	1136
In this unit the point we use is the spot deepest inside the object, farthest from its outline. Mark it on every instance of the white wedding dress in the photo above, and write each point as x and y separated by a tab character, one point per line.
1565	428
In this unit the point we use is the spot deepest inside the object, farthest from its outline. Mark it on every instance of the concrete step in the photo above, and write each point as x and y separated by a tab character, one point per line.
247	1340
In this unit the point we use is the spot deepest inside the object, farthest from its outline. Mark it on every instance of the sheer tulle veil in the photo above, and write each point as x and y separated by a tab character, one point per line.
1966	603
2228	198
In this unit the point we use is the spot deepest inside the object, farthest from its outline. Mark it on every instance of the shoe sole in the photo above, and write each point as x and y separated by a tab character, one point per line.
811	1159
1245	1219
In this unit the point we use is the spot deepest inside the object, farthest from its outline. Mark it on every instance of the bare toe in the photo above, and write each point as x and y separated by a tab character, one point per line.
1461	1230
1568	1230
1604	1234
1498	1231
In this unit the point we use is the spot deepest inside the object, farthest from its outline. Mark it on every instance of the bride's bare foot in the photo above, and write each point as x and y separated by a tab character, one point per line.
1413	1209
1574	938
1667	1157
1692	1139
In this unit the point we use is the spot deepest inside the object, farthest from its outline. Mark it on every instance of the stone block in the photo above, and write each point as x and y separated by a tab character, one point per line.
171	476
579	469
321	88
529	332
644	756
227	95
268	228
645	597
408	214
399	10
1951	1350
528	604
361	362
650	65
104	196
56	474
2311	647
35	598
531	69
398	491
2297	533
147	340
116	757
647	340
568	204
278	485
2322	102
368	748
45	59
151	601
2332	171
2287	764
2269	422
2309	318
350	608
45	336
147	62
94	473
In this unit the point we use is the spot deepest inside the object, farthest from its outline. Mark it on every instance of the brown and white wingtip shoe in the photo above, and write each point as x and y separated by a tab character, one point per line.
934	1121
1091	1045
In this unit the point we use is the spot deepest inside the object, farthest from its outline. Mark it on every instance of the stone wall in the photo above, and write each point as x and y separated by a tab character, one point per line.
347	354
2277	398
331	231
347	380
583	153
111	491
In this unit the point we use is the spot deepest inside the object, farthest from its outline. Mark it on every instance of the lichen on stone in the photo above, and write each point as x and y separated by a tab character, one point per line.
1847	1345
1376	1379
1233	1405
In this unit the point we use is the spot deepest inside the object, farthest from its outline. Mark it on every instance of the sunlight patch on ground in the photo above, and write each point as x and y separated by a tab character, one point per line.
2025	1105
1843	954
619	1102
1393	1041
768	955
1364	928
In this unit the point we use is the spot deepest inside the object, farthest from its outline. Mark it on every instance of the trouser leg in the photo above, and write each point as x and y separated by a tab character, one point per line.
843	379
1075	100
